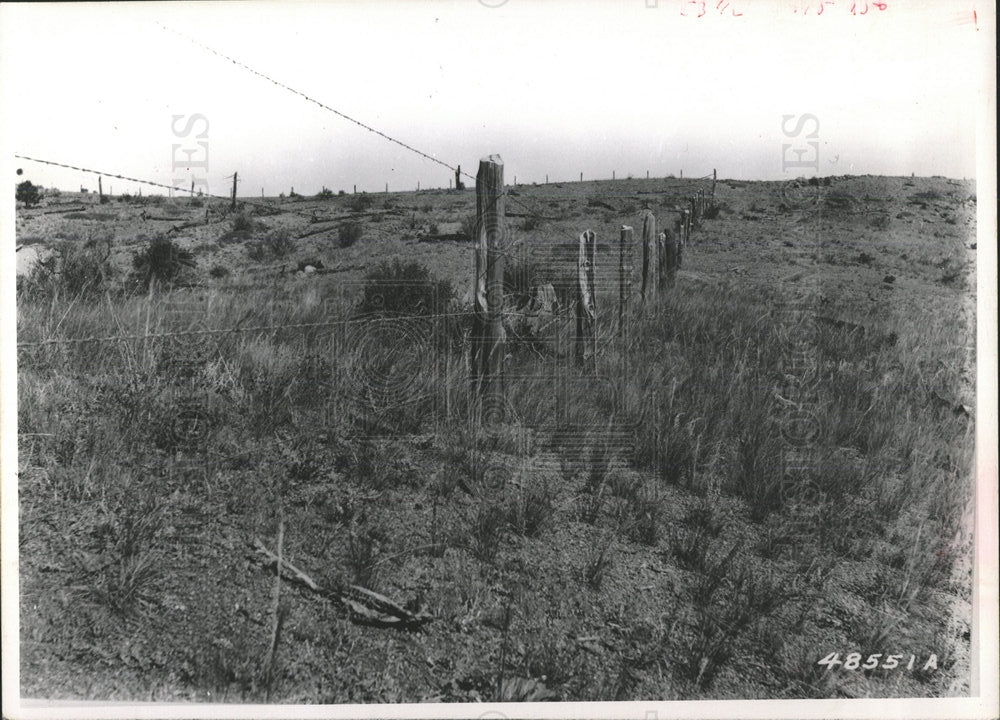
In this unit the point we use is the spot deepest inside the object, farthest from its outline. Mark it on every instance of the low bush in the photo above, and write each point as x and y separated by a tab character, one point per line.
73	269
161	261
404	287
349	233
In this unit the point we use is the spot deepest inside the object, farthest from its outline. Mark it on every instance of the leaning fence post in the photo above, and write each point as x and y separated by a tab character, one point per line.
648	256
713	183
624	276
586	300
489	286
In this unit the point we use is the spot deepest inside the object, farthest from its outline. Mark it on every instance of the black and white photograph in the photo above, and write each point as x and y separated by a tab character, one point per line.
499	359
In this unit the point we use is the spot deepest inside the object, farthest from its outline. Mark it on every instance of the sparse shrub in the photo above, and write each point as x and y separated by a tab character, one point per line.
406	288
597	562
28	193
161	261
219	271
73	269
644	515
712	211
196	202
360	203
124	552
531	508
364	548
256	251
324	193
242	227
881	221
469	227
349	233
487	527
278	246
530	223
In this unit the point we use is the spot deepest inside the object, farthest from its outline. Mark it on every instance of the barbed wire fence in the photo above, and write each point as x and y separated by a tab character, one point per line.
493	247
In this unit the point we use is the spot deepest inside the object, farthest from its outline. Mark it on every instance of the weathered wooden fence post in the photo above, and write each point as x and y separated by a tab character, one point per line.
586	298
648	257
661	259
489	354
458	177
100	191
232	203
671	256
713	183
624	277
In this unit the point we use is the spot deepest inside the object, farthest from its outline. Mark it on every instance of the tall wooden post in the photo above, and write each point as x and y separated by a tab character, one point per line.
671	256
458	177
489	332
581	177
661	259
100	190
546	178
648	257
612	174
624	277
232	204
713	183
586	300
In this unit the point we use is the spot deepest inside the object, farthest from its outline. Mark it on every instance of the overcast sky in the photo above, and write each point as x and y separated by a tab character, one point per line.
555	88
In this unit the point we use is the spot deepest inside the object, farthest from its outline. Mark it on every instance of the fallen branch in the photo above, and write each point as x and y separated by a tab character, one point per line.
365	606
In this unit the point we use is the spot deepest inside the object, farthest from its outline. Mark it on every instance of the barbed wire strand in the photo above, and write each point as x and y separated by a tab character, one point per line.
313	100
259	328
265	206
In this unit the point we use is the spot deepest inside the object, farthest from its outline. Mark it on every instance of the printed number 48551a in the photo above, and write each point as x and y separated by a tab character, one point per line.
902	661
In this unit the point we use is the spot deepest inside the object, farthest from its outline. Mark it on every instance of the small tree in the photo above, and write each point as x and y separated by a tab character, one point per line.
28	193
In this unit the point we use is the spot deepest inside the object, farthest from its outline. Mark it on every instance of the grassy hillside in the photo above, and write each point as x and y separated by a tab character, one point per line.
658	526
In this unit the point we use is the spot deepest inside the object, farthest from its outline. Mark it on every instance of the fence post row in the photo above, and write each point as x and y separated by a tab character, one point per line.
648	256
624	277
488	333
586	299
